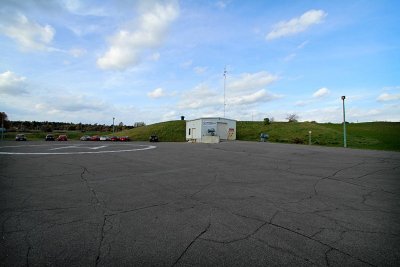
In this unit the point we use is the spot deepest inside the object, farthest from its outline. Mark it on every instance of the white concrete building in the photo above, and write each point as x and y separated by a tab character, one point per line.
210	130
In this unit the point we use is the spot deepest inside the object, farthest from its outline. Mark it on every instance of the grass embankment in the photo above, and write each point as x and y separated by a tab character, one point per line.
371	135
171	131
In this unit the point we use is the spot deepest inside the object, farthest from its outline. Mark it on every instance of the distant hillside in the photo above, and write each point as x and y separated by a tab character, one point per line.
170	131
371	135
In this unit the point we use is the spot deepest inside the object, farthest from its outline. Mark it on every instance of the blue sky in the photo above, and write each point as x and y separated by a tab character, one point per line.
151	61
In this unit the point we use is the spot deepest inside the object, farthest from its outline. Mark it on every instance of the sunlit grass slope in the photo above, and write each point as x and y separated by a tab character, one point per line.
372	135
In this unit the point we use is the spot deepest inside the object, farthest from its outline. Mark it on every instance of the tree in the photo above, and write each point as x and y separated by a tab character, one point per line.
267	121
4	122
139	124
292	117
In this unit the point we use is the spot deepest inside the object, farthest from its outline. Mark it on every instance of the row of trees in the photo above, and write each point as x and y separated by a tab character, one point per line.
47	126
290	118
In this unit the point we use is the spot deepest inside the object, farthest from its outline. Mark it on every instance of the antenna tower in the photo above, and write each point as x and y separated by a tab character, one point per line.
225	72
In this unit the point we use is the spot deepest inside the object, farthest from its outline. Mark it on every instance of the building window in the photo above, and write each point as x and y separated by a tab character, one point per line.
189	131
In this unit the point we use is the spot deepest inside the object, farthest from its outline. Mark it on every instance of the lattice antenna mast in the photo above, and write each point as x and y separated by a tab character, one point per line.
225	72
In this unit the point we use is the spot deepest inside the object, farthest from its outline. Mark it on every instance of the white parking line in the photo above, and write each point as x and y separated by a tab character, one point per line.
97	147
63	147
116	150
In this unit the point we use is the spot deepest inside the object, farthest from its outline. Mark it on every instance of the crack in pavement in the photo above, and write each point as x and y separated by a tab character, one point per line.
191	243
270	222
333	175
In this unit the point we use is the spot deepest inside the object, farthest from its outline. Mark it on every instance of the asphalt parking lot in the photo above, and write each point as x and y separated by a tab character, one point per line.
183	204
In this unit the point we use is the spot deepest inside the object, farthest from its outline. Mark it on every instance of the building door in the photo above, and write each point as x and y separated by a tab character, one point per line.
222	130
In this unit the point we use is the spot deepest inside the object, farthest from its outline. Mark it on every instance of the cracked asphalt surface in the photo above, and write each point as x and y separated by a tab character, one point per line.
182	204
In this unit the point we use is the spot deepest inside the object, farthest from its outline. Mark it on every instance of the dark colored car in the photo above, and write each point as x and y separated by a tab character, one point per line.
20	137
124	138
114	138
62	138
49	137
95	138
153	138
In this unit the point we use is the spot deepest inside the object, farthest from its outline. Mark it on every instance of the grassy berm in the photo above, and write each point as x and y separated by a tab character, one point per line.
371	135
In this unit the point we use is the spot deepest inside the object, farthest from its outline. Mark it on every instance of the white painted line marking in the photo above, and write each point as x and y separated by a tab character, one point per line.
141	148
97	147
63	147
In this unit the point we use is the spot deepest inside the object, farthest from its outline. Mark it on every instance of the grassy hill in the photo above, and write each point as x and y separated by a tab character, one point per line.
171	131
371	135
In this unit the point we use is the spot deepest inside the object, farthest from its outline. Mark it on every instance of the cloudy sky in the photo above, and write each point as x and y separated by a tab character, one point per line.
89	61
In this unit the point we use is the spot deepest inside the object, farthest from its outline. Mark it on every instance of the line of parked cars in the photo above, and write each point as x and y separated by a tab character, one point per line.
104	138
63	137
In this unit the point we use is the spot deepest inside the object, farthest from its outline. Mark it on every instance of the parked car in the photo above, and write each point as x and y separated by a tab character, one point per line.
95	138
124	138
49	137
105	138
62	137
114	138
85	138
153	138
20	137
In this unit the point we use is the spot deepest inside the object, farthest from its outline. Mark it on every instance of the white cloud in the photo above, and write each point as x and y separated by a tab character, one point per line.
321	92
250	81
222	4
200	97
71	103
155	56
388	97
290	57
187	64
200	70
12	84
81	8
29	35
77	52
156	93
296	25
244	91
259	96
127	45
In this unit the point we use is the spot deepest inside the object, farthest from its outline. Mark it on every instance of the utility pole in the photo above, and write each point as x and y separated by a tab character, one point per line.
344	124
113	124
2	127
224	88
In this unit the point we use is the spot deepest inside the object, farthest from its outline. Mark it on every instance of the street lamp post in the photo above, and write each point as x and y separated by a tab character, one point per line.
113	124
344	124
2	127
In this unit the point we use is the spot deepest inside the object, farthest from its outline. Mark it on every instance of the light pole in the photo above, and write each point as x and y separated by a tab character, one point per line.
113	124
344	124
2	127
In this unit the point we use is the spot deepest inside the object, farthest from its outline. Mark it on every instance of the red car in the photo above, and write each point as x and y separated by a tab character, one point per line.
124	138
95	138
114	138
62	138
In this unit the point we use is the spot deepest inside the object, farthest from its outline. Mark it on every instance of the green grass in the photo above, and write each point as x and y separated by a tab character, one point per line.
371	135
171	131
